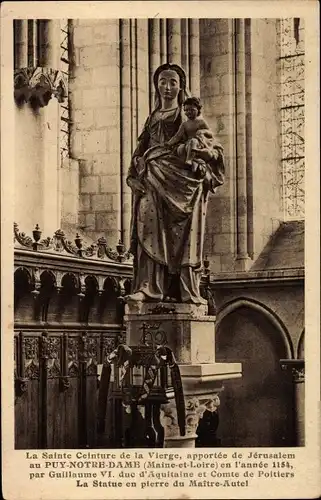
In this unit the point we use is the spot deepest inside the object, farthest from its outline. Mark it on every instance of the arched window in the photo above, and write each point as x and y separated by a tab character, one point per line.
291	38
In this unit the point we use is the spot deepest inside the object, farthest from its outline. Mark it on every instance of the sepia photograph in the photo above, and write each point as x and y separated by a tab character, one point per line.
159	232
160	299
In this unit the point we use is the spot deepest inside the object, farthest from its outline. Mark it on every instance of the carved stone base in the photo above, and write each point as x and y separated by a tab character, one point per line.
175	308
185	328
190	333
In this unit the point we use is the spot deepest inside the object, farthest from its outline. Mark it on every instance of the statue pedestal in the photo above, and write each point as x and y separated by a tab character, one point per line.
190	333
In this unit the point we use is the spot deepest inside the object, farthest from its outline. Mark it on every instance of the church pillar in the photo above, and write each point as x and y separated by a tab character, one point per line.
51	167
194	57
299	388
163	41
143	70
296	369
174	45
154	54
185	47
39	87
242	256
49	43
21	43
133	79
48	49
126	139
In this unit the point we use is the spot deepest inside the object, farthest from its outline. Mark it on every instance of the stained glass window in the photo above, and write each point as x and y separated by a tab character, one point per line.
64	107
291	37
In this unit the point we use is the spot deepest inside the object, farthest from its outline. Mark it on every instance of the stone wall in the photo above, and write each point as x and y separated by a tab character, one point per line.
95	139
266	153
110	81
109	100
69	187
217	86
239	90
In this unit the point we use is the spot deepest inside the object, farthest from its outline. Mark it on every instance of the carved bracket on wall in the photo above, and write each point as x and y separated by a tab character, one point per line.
38	85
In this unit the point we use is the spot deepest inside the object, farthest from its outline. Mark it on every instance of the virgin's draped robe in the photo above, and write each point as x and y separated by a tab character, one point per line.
168	222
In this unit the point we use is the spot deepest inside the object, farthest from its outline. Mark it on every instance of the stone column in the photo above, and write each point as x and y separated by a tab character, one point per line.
39	87
21	43
51	167
241	200
185	47
133	79
126	140
143	72
49	43
163	41
174	41
154	54
296	369
194	57
48	47
33	43
299	388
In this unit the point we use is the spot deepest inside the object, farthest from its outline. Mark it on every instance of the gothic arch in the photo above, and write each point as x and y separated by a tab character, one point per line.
111	284
91	282
48	276
265	311
69	280
24	273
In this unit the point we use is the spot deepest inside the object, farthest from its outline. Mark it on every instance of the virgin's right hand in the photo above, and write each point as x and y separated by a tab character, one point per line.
136	186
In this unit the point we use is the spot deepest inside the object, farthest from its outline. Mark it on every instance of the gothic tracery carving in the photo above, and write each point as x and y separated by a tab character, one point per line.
30	349
38	85
72	356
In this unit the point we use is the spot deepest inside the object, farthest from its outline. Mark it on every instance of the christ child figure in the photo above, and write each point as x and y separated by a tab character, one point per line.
192	132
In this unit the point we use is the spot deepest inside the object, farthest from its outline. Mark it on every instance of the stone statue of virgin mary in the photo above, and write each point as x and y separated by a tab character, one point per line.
169	200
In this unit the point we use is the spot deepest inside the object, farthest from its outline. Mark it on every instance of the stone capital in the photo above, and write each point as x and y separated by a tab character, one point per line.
296	367
298	375
38	85
195	406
